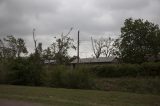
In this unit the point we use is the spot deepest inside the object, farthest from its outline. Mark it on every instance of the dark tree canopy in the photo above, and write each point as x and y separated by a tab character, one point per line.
138	39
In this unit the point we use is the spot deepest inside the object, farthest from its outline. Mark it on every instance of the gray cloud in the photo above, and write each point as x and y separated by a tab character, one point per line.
51	17
123	4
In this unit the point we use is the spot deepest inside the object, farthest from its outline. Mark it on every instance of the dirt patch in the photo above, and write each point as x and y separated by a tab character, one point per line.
6	102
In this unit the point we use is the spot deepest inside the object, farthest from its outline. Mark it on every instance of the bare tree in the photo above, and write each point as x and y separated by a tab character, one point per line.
108	49
38	48
97	46
103	46
35	41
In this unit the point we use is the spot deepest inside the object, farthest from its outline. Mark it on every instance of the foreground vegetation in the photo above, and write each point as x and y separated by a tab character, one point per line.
138	43
147	85
139	40
137	78
72	97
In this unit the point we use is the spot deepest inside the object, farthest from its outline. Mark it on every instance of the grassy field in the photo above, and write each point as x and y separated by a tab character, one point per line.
75	97
148	85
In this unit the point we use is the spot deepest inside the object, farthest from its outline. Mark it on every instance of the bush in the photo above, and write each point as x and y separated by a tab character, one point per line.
24	72
3	73
127	70
71	78
151	69
56	77
77	79
105	71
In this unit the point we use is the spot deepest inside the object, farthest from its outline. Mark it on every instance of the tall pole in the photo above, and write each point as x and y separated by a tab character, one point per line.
78	49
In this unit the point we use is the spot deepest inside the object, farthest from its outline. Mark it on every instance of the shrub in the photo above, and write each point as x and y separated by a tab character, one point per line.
77	79
3	73
151	69
24	72
56	77
71	78
105	70
127	70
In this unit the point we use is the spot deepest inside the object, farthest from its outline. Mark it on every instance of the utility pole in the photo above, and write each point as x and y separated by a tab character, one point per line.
78	49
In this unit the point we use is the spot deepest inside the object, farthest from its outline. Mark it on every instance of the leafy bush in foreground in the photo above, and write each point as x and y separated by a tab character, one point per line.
24	71
71	79
127	70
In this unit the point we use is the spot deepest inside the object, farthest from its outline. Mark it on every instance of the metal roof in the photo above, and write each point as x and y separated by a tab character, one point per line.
95	60
49	61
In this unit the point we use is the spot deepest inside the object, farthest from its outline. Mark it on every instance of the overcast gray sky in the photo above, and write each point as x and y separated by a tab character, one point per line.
50	18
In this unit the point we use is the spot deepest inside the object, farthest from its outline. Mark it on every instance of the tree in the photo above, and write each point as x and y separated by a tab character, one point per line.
61	46
117	50
108	49
97	46
21	48
139	38
47	54
13	47
38	48
103	46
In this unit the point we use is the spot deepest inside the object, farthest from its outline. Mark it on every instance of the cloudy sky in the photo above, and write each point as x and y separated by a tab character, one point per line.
96	18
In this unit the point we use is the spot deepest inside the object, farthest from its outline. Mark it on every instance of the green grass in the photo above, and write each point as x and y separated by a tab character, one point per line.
75	97
141	85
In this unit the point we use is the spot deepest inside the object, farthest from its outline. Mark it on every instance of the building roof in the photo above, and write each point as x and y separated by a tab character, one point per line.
49	61
95	60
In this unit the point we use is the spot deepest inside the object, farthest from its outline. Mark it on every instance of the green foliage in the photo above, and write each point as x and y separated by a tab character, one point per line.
151	69
137	78
18	71
3	73
139	38
14	46
147	85
80	78
61	46
23	71
105	71
127	70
